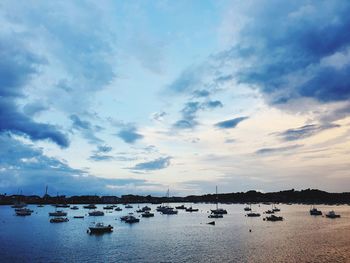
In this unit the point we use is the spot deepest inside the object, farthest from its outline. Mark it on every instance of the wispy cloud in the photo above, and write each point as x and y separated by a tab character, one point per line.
305	131
101	154
86	128
229	124
190	110
277	150
201	93
157	164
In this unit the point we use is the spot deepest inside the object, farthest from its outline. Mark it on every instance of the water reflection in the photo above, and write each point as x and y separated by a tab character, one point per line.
185	237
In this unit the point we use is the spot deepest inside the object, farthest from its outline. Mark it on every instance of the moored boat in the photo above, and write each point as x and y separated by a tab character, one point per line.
23	212
96	213
59	220
275	209
169	211
181	207
100	228
332	214
248	208
147	214
218	212
130	219
62	205
90	206
252	214
190	209
19	205
215	216
315	212
273	218
58	213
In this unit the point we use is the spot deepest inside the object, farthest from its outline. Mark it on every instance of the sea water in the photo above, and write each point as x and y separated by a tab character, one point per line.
185	237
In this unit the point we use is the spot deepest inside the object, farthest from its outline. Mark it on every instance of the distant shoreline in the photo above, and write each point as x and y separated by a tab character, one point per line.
308	196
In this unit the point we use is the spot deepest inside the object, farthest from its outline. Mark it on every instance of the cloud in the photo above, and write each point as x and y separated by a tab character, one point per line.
86	128
158	164
17	66
100	157
15	122
73	48
290	45
229	124
189	79
277	150
337	113
190	110
31	170
129	134
188	113
80	124
288	52
201	93
159	116
104	148
212	104
34	108
101	154
185	124
304	131
328	84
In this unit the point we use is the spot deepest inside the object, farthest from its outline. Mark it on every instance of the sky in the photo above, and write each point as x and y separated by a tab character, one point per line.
117	97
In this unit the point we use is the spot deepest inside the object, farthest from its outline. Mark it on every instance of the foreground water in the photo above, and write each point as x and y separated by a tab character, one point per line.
178	238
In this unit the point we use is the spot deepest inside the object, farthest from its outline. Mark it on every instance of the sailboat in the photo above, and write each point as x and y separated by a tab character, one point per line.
248	208
218	212
19	203
275	209
167	210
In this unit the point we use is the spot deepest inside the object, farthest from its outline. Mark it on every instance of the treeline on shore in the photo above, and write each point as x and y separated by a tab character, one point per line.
308	196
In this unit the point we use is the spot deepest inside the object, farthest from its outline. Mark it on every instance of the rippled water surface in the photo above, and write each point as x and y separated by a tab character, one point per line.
178	238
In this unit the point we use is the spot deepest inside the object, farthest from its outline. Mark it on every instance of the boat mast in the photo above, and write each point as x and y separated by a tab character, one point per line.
168	195
217	200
